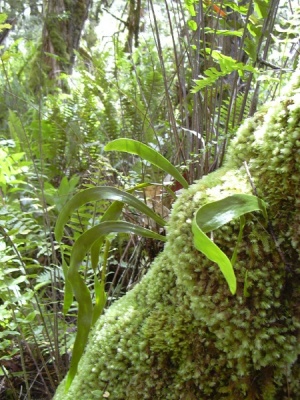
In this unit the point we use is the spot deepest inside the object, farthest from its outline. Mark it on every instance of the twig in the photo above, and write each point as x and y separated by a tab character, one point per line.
250	178
118	19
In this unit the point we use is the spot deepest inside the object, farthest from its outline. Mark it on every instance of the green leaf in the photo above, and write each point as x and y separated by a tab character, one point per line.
3	18
214	215
261	8
147	153
100	295
189	5
241	9
3	25
98	193
224	32
218	213
213	253
84	320
250	47
227	66
100	298
112	213
192	24
254	28
80	289
68	292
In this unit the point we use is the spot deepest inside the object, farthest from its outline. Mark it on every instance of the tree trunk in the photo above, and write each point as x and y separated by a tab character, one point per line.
62	30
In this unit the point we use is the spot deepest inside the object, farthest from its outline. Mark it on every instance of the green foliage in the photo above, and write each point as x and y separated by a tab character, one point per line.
59	196
212	216
207	218
227	66
179	332
98	110
12	166
251	40
52	145
92	239
26	279
148	154
3	18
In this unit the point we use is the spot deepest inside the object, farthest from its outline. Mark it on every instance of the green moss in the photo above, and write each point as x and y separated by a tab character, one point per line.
51	51
179	334
57	39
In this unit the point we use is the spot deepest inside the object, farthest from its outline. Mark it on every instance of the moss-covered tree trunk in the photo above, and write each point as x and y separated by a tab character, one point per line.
62	30
133	25
180	334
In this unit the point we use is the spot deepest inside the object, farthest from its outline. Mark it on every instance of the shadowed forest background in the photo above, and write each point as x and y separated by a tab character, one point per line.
180	76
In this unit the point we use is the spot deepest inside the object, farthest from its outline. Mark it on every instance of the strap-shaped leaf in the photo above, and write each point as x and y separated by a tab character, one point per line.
147	153
80	289
99	287
111	214
98	193
212	216
100	298
215	254
68	293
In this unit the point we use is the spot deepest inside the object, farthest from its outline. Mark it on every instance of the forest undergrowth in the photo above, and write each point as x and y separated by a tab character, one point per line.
181	77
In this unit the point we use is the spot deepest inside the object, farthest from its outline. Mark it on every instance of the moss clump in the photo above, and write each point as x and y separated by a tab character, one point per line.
179	334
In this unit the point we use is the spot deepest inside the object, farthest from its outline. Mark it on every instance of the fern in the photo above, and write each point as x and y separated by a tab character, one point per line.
227	65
